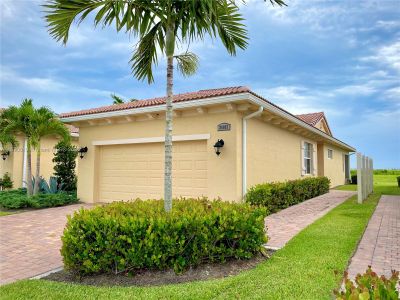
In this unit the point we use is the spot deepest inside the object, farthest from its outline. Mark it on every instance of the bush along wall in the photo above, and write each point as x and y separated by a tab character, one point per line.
279	195
125	236
15	199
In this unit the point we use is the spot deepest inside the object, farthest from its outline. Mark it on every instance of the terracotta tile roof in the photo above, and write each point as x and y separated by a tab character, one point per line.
201	94
312	118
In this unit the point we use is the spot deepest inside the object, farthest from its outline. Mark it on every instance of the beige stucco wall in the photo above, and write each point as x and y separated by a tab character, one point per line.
273	153
223	174
14	163
334	168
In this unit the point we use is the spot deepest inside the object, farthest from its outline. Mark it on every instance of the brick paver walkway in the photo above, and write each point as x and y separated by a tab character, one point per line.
380	244
30	242
284	225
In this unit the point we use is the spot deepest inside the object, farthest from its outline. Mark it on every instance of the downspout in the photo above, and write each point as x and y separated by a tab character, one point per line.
244	147
24	163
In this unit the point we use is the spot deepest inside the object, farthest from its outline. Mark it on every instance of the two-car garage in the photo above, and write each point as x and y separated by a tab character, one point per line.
130	171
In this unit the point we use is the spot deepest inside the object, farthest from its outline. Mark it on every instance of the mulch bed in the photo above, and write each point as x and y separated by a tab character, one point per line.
156	277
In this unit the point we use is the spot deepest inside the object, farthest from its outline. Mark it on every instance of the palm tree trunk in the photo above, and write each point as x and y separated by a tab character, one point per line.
168	138
29	168
37	175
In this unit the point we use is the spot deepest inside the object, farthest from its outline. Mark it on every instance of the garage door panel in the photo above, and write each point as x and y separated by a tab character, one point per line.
137	171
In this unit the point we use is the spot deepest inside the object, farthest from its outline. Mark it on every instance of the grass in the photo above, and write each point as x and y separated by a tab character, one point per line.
5	213
303	269
383	184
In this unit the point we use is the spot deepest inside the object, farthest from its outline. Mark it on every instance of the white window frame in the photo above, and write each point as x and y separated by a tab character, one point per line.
308	157
331	152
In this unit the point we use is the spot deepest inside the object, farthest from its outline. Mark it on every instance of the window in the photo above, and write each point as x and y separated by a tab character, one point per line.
308	154
330	153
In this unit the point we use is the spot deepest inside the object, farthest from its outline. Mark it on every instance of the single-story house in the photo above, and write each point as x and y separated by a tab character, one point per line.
261	142
15	163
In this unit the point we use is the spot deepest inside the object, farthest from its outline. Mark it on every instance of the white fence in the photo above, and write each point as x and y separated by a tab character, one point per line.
365	180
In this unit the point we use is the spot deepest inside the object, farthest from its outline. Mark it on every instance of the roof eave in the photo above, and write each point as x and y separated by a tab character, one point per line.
210	101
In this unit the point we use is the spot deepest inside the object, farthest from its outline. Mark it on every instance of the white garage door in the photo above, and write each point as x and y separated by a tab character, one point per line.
137	171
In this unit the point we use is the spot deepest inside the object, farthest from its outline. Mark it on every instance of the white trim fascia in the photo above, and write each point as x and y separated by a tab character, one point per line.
156	139
157	108
209	101
285	115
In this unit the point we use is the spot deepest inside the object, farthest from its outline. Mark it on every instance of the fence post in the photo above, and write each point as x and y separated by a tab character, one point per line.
365	179
367	176
372	176
359	178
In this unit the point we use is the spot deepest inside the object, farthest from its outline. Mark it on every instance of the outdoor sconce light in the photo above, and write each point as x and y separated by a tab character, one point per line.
218	145
82	151
4	154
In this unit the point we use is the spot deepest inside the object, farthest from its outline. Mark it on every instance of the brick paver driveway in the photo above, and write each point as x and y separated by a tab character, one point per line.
284	225
380	244
30	242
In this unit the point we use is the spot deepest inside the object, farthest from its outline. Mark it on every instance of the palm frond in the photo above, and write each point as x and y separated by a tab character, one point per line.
187	63
117	99
278	2
145	54
229	25
134	15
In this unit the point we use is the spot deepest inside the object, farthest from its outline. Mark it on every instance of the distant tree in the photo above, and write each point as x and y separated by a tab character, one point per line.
65	163
18	120
45	123
120	100
117	99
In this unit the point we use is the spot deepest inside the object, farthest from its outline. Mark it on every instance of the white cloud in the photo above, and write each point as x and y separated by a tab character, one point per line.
388	55
388	25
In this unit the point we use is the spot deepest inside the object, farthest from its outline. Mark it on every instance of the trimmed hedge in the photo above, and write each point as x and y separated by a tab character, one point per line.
279	195
126	236
16	199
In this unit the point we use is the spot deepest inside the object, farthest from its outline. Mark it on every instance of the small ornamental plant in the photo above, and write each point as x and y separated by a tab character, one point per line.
369	286
6	182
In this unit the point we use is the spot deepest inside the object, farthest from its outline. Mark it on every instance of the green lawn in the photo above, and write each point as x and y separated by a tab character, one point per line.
5	213
384	184
303	269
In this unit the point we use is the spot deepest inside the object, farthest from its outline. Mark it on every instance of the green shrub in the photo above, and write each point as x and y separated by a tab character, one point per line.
369	286
354	179
6	182
126	236
16	199
387	172
52	200
65	164
279	195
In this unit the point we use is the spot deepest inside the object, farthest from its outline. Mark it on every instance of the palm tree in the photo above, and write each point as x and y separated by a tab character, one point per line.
18	120
160	26
6	138
45	124
117	99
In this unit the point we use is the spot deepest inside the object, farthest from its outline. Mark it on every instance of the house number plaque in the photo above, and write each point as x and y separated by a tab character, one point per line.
224	127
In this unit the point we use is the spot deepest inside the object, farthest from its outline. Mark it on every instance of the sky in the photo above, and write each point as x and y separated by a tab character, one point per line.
341	57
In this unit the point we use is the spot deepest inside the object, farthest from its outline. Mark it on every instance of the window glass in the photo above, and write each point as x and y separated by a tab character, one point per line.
330	153
308	157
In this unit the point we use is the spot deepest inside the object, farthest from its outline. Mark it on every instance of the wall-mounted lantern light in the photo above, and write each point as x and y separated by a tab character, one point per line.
218	145
4	154
82	151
